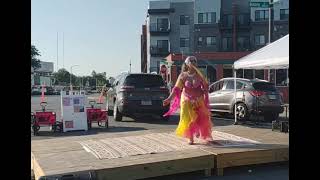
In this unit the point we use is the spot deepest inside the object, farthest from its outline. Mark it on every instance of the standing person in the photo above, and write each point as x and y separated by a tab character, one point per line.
191	94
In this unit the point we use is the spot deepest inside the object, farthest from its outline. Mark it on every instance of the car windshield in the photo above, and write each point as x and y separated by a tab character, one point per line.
264	86
144	80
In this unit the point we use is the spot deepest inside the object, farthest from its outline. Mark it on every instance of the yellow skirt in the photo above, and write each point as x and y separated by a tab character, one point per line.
195	119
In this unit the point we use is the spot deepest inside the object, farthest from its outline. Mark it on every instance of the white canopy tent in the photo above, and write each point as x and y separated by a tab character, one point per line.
273	56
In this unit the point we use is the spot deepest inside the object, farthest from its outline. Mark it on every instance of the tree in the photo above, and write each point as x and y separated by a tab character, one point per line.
35	62
93	74
62	77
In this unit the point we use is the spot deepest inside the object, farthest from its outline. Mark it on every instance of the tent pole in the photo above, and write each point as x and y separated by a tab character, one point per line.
235	96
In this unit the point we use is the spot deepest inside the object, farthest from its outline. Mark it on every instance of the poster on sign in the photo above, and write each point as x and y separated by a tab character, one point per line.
73	111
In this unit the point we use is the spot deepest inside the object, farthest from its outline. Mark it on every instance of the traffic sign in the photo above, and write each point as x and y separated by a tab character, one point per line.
259	4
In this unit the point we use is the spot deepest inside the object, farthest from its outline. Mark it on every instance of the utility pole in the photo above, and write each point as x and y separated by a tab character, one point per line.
270	21
57	53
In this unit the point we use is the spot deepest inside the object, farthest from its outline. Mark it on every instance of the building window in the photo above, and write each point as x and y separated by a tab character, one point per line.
163	44
248	73
243	19
282	78
259	74
261	15
162	24
284	14
211	40
259	40
184	42
227	70
228	20
200	18
207	18
243	43
200	41
184	20
227	44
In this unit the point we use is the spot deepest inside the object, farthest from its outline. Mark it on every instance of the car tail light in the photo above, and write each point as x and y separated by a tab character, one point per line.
257	93
127	88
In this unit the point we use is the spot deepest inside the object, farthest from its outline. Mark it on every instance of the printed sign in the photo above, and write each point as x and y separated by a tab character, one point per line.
66	101
68	124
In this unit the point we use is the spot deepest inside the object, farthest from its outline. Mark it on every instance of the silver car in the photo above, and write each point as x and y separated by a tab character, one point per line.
253	97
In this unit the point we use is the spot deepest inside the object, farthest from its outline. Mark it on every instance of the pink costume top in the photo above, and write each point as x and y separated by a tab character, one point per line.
193	88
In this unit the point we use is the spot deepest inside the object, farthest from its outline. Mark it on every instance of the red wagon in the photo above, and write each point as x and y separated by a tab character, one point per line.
44	118
96	114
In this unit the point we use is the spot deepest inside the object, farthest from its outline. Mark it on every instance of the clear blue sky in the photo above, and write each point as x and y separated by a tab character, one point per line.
100	35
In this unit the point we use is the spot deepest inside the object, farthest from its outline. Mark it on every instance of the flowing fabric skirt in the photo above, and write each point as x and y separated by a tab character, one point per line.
195	119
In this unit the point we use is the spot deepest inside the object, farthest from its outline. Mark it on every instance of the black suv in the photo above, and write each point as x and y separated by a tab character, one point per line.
132	94
254	96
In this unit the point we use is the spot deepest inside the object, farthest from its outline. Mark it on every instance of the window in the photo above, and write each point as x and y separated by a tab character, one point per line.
227	44
242	19
163	45
259	74
230	85
162	24
207	18
184	20
216	86
261	15
272	76
200	41
227	73
248	73
243	43
184	42
284	14
228	20
282	77
200	17
144	80
259	40
211	40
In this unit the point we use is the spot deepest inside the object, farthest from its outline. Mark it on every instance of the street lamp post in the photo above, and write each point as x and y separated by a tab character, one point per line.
71	76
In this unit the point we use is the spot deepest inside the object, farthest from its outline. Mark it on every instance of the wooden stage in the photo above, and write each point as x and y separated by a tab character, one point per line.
66	157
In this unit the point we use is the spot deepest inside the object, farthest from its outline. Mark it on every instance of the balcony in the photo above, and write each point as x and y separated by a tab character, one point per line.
159	28
159	51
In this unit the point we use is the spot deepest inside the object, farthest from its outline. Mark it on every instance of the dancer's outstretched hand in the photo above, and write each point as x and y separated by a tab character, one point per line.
166	102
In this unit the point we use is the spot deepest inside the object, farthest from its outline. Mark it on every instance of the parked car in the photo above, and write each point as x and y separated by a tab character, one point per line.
35	91
132	94
253	96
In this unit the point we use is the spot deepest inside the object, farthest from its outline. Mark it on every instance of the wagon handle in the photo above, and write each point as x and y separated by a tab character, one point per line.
43	105
92	103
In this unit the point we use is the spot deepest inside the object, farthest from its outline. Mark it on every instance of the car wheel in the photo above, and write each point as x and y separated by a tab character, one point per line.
36	129
117	116
242	112
269	116
110	112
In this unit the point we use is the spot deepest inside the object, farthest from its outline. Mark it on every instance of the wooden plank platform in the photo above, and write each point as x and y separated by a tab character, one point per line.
65	156
274	147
